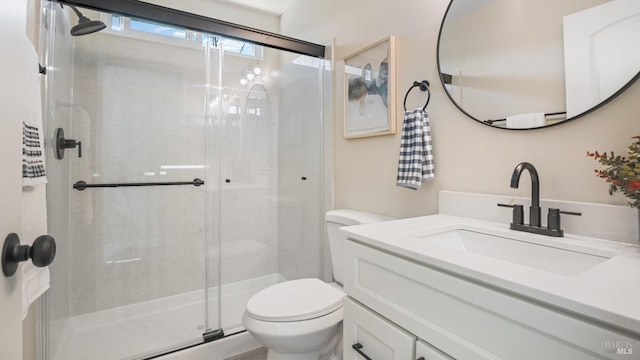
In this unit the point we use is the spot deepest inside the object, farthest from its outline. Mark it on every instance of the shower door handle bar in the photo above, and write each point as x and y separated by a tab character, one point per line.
81	185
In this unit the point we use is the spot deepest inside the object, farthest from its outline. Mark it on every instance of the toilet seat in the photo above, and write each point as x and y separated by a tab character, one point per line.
295	300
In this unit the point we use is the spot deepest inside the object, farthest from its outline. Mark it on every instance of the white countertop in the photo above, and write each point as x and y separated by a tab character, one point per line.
608	292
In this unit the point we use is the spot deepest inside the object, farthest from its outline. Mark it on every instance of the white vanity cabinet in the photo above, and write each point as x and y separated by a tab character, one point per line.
404	309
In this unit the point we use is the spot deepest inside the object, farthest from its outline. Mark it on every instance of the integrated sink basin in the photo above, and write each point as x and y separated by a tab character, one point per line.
569	261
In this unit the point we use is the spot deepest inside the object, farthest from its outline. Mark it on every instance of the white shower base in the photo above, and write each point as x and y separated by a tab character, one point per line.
133	331
216	350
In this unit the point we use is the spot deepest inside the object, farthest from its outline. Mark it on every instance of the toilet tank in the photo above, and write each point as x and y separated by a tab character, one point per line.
344	217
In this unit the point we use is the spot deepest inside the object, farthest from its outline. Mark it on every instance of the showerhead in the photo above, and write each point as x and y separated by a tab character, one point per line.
85	25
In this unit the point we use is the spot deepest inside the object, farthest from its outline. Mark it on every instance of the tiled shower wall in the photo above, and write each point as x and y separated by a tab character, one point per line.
300	130
138	108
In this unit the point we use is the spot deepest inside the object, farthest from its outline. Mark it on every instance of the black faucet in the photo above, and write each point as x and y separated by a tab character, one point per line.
535	225
534	211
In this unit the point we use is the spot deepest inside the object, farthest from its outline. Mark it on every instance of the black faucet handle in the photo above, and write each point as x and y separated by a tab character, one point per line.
70	144
62	144
553	219
570	213
518	213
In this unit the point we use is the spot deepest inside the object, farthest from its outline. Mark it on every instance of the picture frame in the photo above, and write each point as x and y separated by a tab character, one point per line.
369	98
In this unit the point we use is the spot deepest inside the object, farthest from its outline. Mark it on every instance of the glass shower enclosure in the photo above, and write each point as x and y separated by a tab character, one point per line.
190	178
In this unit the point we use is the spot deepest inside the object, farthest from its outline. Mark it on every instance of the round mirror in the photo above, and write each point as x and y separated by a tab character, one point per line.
523	64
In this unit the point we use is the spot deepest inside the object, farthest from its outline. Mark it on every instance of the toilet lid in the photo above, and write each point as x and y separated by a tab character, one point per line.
294	301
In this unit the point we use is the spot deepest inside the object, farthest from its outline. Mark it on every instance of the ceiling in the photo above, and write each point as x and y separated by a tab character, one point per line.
276	7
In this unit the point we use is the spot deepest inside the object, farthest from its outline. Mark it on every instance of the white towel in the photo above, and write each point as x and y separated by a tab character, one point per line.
525	121
415	163
35	281
33	172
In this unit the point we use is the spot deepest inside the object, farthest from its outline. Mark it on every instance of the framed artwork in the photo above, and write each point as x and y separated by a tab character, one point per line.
369	99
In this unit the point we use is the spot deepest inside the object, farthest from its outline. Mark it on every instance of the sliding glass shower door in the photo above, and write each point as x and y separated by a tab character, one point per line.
132	206
195	184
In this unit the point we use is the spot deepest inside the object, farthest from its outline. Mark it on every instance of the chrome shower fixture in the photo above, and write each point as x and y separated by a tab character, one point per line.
85	25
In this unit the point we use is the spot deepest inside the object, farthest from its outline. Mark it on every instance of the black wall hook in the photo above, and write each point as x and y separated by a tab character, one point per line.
423	86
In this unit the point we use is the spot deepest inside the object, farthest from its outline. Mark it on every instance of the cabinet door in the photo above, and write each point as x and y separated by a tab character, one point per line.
374	337
425	351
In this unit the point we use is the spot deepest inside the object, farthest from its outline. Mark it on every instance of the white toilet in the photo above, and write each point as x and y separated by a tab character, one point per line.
302	319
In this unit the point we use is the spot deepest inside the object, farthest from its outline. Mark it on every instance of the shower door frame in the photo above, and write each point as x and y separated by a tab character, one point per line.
206	26
151	12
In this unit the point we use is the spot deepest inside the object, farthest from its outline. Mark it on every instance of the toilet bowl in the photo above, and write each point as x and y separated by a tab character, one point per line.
302	319
297	319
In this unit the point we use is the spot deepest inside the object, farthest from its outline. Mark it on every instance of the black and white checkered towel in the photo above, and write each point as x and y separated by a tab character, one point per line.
33	171
415	164
32	155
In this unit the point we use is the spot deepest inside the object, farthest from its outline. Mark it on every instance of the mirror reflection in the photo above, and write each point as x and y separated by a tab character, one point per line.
258	106
523	64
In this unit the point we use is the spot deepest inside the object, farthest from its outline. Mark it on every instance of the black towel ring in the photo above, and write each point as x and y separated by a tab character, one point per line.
424	86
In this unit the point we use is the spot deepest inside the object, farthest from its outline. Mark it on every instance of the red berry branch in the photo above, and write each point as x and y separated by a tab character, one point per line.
622	173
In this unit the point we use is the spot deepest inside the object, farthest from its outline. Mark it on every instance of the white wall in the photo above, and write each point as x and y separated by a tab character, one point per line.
217	10
468	156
